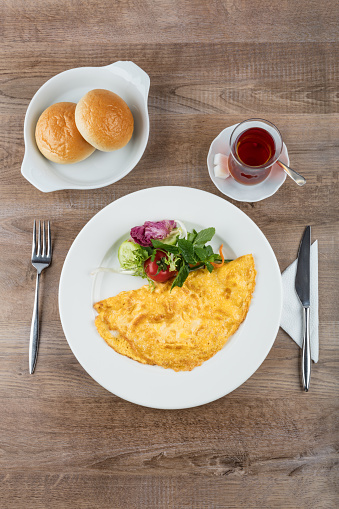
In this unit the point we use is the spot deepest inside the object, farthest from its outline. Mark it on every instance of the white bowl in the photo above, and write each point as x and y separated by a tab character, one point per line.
232	188
102	168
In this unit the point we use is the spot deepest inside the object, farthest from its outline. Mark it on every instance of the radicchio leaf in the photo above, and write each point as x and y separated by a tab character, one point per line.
143	235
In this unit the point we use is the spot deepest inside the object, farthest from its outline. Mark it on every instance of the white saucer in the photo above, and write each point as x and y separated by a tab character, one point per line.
231	187
101	168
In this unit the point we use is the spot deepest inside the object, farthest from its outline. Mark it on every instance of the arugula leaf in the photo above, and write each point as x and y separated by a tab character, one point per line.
187	251
200	265
204	236
209	267
205	253
200	253
215	258
165	247
149	249
209	251
191	236
181	277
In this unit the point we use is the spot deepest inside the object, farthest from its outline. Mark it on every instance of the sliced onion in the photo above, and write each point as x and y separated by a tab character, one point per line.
114	271
182	227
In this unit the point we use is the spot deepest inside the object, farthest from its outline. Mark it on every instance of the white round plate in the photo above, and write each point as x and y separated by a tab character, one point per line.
97	244
101	168
232	188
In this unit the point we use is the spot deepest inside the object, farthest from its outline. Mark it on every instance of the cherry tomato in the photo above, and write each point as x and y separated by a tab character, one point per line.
158	270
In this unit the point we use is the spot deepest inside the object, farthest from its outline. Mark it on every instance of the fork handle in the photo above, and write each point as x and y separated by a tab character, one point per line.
34	335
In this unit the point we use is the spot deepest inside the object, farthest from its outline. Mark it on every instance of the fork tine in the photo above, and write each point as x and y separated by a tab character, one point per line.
34	239
49	243
43	240
38	251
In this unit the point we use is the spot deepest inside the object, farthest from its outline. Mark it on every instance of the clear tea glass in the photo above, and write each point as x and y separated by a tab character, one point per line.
256	145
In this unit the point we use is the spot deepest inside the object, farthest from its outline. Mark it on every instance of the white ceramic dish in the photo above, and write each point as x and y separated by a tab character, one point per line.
96	245
101	168
231	187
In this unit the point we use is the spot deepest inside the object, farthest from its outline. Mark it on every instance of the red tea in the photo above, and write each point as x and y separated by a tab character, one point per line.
254	148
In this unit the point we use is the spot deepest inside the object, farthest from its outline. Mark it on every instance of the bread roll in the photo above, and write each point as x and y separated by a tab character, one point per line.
57	136
104	120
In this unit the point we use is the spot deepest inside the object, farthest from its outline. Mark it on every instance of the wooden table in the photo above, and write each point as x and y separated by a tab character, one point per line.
65	441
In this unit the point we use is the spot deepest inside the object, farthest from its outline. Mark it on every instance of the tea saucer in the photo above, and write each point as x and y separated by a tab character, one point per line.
231	187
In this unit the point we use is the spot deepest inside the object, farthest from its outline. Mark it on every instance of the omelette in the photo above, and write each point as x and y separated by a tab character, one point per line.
182	328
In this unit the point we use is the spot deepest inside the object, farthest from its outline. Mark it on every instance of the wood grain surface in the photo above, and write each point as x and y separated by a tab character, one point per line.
65	442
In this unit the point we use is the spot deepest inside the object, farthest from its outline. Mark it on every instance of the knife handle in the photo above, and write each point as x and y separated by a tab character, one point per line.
306	352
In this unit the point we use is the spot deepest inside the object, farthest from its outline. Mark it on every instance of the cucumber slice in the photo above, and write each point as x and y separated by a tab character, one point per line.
126	254
172	237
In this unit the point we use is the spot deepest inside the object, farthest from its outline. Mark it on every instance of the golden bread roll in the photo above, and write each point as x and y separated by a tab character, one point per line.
104	120
57	136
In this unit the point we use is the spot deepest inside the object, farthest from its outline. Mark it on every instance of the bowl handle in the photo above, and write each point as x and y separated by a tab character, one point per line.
132	72
41	177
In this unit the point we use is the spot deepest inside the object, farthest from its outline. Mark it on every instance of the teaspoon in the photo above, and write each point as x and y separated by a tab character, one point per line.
299	179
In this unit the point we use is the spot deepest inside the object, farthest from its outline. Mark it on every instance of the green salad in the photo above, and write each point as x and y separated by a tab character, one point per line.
163	250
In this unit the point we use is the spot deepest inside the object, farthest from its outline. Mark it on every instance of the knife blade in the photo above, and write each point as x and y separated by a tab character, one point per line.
302	278
302	287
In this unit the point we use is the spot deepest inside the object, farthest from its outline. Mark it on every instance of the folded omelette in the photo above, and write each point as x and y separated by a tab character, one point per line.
182	328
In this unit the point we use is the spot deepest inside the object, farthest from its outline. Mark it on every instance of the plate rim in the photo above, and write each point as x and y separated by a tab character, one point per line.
220	393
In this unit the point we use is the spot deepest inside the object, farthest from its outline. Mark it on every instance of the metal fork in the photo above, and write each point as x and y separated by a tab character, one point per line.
41	258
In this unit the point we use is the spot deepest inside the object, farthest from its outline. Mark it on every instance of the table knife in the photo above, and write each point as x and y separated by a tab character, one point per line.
302	287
